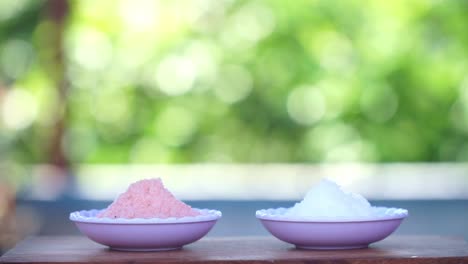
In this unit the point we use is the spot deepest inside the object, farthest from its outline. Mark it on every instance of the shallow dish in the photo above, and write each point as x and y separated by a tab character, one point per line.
330	234
138	234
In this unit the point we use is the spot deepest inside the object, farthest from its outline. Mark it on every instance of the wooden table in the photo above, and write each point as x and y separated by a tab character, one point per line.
396	249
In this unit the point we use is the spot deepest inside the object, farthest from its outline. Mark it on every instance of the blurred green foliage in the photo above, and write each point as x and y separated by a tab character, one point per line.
237	81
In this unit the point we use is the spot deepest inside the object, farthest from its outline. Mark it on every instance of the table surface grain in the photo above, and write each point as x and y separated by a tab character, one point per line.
395	249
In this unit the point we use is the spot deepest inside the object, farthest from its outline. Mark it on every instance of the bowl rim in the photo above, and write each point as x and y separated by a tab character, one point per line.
89	216
263	214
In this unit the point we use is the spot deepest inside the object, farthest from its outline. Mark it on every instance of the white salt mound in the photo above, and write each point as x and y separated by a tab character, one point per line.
328	201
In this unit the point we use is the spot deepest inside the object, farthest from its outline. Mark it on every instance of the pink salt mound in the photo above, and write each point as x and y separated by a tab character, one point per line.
147	199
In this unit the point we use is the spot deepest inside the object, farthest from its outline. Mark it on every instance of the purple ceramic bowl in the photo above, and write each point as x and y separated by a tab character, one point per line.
139	234
331	234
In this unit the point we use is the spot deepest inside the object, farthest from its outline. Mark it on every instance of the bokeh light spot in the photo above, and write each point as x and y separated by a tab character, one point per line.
251	23
234	84
459	110
149	150
175	126
111	105
205	56
337	141
16	57
337	93
139	15
89	48
9	9
87	139
176	75
19	109
379	103
306	105
334	51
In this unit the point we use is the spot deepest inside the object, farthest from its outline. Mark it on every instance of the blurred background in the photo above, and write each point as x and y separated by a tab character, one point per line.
238	105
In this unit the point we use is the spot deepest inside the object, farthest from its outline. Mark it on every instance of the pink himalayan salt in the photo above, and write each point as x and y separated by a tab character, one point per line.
147	199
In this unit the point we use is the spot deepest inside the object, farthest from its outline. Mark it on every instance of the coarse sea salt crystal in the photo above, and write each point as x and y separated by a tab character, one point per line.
147	199
328	201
